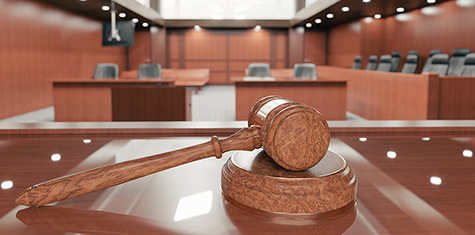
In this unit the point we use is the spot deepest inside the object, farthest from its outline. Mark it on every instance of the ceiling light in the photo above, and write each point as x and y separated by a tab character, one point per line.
467	153
377	16
7	184
363	139
391	154
257	28
430	1
330	15
135	20
400	9
425	138
82	0
86	141
345	9
122	15
435	180
105	8
55	157
308	25
197	28
144	24
366	0
318	21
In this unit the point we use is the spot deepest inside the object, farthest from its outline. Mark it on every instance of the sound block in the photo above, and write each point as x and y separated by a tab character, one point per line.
254	180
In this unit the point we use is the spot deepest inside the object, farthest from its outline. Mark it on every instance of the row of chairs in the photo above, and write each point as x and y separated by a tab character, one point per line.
303	70
462	62
108	70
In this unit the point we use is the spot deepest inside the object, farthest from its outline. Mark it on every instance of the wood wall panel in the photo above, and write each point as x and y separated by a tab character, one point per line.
39	43
315	46
215	65
205	44
158	38
140	52
281	45
250	44
296	46
344	44
173	42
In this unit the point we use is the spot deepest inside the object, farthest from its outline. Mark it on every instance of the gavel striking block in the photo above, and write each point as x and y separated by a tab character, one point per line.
294	135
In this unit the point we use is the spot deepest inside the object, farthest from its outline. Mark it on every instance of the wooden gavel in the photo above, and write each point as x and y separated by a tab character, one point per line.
296	136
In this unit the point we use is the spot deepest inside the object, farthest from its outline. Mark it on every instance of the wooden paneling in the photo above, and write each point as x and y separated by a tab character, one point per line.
456	98
77	103
40	43
315	46
344	43
327	97
296	46
227	52
140	52
159	45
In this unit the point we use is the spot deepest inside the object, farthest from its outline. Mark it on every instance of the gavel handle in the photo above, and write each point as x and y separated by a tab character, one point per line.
111	175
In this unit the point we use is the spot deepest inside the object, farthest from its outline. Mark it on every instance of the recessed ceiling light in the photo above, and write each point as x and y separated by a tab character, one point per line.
366	0
330	15
122	15
363	139
135	20
345	9
144	24
318	21
400	9
86	141
377	16
197	28
105	8
430	1
7	184
435	180
82	0
257	28
391	154
425	138
308	25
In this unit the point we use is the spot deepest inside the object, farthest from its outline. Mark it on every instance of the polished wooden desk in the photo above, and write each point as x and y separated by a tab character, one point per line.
180	77
329	97
395	195
377	95
120	100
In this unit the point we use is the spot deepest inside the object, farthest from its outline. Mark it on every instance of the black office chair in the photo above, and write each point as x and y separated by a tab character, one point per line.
149	71
456	63
106	71
469	65
439	64
357	63
372	63
395	61
305	71
384	63
258	70
410	66
413	52
428	63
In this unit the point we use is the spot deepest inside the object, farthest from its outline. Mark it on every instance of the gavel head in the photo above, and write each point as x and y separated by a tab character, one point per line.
295	135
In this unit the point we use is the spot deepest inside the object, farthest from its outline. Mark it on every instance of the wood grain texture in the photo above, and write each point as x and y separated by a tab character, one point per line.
344	43
111	175
296	46
329	97
141	51
456	98
315	48
45	43
158	38
252	179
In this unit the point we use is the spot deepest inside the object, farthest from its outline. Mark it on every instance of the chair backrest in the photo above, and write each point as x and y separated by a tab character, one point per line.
357	63
456	63
305	71
440	64
395	60
469	65
149	71
106	71
258	70
384	63
428	63
372	62
413	52
410	66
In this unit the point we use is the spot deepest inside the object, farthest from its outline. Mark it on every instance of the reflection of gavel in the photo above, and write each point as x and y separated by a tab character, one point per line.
296	136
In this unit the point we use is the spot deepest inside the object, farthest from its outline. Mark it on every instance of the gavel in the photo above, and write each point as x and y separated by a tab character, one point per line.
294	135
